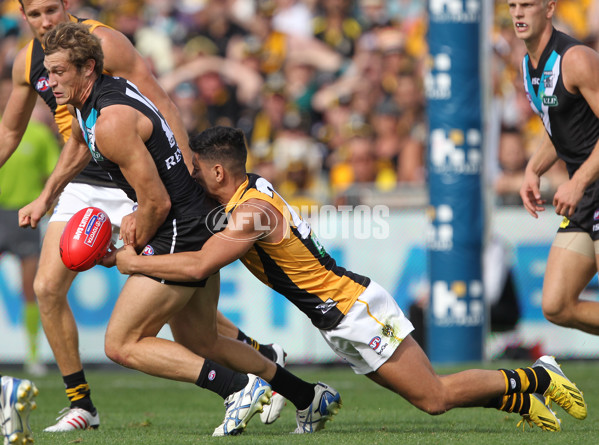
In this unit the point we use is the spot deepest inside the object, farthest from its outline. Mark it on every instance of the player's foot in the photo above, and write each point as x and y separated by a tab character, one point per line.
16	402
274	352
324	406
71	419
561	390
242	405
280	354
540	415
273	410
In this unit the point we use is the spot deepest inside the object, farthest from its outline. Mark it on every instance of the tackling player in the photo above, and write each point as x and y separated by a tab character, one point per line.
359	320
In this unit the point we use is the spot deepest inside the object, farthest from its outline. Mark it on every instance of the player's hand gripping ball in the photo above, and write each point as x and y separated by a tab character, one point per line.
85	239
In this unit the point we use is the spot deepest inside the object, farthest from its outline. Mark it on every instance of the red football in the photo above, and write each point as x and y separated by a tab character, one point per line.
85	239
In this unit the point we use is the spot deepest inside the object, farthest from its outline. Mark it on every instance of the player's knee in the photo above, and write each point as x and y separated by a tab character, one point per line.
48	291
433	407
556	313
432	402
116	351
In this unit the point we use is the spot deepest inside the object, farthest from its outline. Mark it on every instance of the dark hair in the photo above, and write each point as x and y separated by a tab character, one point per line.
225	145
81	44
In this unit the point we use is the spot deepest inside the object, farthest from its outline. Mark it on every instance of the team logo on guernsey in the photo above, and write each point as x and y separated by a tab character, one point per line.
42	84
148	250
375	342
548	79
596	215
326	306
550	101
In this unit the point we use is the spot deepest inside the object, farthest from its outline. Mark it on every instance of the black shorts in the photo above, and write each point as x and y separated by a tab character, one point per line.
586	215
23	243
179	235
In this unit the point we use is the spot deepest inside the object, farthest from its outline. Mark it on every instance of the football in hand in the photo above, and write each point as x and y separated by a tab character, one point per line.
85	239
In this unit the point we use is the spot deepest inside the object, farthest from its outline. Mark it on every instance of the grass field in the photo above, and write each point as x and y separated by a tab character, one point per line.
139	409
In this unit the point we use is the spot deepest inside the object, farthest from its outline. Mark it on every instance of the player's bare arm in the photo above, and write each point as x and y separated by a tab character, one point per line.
249	222
18	110
120	135
542	159
73	158
123	60
580	68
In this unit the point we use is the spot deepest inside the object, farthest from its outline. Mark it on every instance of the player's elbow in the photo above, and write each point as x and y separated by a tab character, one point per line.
160	208
196	272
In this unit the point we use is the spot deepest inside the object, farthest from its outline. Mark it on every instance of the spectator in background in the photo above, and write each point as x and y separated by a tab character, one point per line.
373	14
22	178
412	128
9	36
224	90
335	26
512	164
217	23
335	128
298	161
293	17
387	143
185	96
267	124
360	172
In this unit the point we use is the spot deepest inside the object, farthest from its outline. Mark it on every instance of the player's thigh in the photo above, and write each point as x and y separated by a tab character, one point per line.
52	277
143	307
570	267
409	373
195	325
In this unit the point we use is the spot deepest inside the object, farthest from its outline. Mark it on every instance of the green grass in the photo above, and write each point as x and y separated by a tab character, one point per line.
139	409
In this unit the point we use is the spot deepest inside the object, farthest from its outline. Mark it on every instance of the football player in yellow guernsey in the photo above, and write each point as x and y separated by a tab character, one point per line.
92	187
359	319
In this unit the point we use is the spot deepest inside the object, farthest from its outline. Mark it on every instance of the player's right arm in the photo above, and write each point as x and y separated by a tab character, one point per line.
542	159
73	158
249	222
18	109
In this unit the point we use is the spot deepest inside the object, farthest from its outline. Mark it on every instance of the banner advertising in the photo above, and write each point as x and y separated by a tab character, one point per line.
390	248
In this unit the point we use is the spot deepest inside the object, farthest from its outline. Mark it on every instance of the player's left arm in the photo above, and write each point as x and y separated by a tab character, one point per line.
247	224
120	135
123	60
580	71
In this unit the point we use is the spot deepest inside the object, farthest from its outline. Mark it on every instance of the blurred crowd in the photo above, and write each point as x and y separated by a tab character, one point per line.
328	92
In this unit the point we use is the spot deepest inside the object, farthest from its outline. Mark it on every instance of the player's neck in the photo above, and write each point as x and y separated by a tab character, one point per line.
535	47
226	191
84	93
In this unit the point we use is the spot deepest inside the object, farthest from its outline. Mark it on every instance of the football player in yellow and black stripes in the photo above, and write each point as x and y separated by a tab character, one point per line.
92	187
359	319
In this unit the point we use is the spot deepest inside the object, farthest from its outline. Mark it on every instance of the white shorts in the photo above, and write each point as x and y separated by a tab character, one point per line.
370	332
77	196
